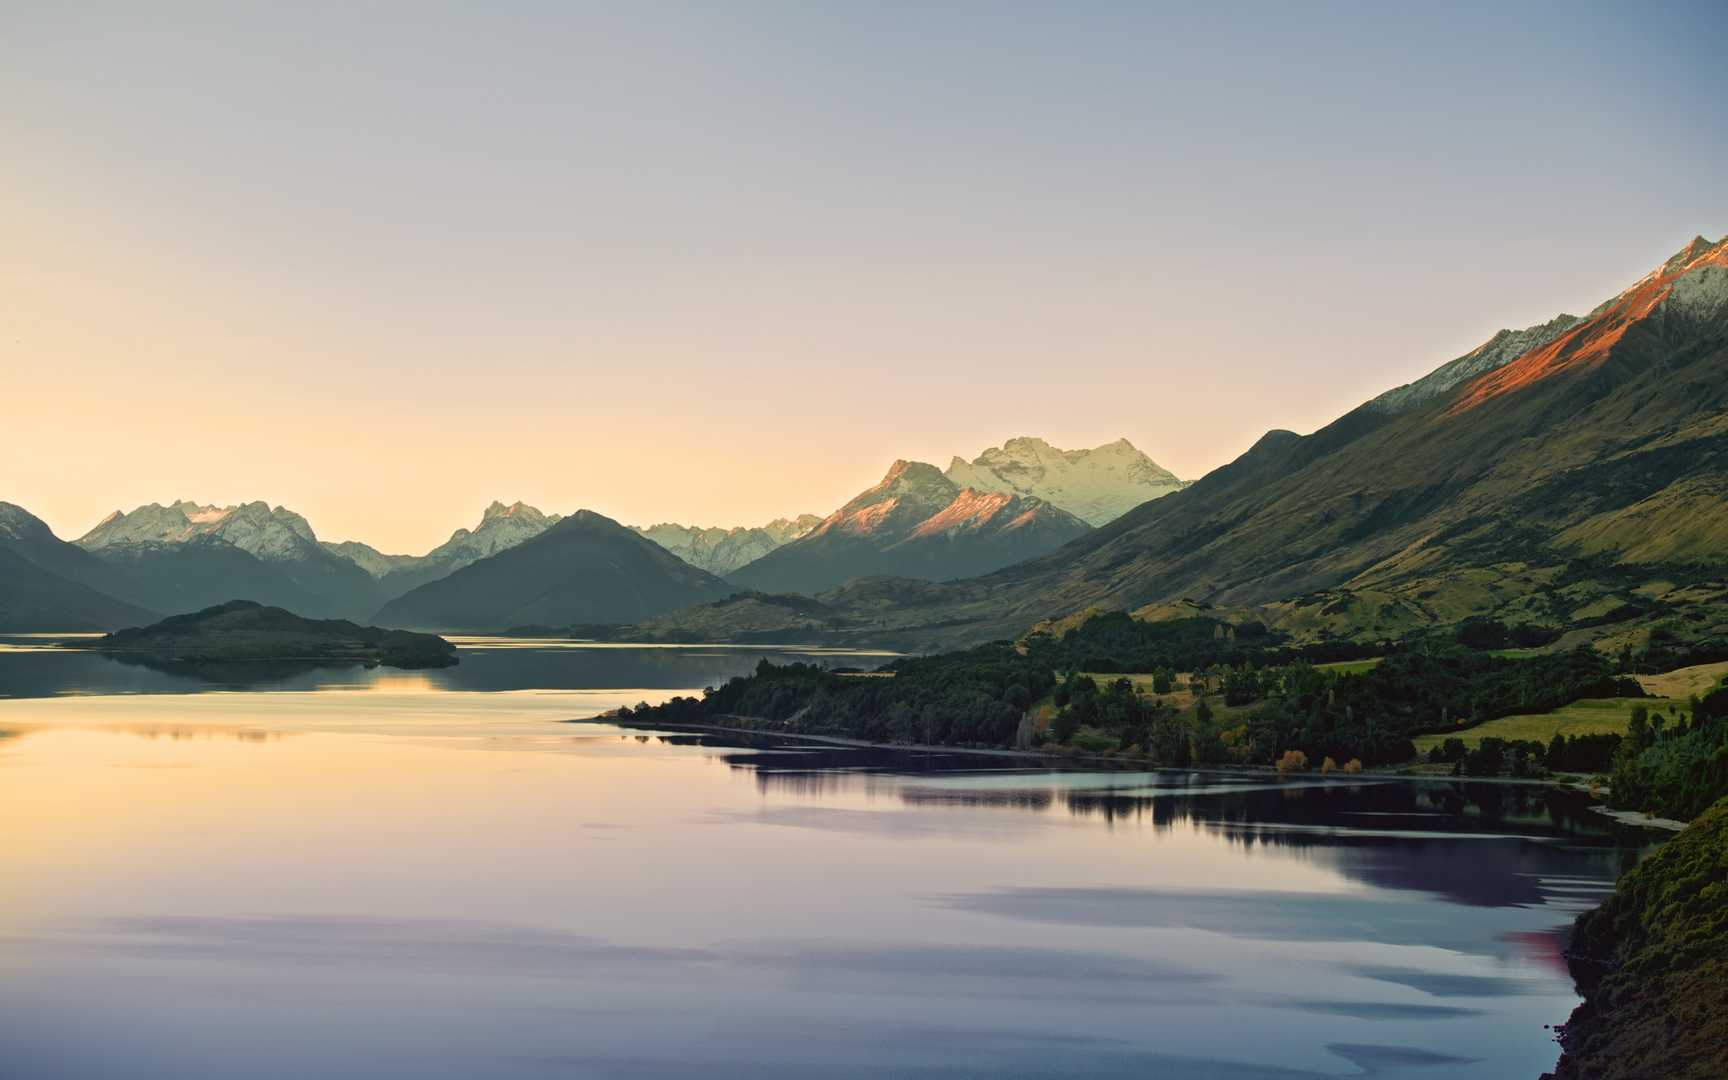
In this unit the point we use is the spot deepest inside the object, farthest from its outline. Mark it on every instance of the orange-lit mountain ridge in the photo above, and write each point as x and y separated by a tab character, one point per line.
915	523
1590	341
1573	473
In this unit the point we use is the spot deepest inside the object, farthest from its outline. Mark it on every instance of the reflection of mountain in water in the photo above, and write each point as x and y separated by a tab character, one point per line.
50	673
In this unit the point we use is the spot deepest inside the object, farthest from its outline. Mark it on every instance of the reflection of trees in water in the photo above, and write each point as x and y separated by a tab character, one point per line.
1036	799
239	674
49	673
194	734
1472	843
1477	844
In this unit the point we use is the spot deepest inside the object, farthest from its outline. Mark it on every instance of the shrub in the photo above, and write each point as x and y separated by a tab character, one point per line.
1293	761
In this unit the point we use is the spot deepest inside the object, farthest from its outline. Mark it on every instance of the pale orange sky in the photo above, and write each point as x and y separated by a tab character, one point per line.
719	268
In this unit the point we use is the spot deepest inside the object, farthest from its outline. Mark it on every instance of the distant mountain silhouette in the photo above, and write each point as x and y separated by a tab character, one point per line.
720	551
500	527
585	569
49	584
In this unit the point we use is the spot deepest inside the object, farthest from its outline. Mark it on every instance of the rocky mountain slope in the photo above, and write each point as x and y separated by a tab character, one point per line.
585	569
916	523
721	551
369	558
1582	481
186	556
1097	486
48	584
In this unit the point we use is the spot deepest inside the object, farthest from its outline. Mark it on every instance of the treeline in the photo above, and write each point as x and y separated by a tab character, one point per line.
974	698
1259	698
1116	643
1437	685
1116	717
1674	766
1525	758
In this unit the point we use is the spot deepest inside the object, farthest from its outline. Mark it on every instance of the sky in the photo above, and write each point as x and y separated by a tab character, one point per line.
719	263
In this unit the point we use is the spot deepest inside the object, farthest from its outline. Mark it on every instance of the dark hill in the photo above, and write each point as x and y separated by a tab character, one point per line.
49	584
585	570
246	630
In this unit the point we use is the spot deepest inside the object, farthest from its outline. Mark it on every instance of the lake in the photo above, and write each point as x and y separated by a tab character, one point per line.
352	872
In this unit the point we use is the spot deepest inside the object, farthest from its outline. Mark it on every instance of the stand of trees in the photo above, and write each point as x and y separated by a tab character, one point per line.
974	698
1280	702
1674	769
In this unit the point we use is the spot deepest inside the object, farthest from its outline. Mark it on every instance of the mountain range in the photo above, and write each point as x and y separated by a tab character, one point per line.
500	528
582	570
721	551
1574	474
185	556
915	523
188	555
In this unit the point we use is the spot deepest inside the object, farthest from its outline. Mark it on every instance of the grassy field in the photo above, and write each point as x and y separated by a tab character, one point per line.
1594	716
1589	716
1350	667
1684	682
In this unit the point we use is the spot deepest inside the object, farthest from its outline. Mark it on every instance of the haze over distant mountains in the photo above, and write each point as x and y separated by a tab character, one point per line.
721	551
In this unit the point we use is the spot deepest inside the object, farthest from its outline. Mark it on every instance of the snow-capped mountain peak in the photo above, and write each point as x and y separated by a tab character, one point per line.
721	550
1096	485
274	534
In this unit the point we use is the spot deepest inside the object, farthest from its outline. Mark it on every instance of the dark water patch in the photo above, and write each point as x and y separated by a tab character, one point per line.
1379	1060
1441	984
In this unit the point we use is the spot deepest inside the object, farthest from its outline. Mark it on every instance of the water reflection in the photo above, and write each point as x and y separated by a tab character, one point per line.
35	668
438	885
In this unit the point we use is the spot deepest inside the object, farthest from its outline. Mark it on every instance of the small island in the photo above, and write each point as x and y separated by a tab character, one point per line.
247	630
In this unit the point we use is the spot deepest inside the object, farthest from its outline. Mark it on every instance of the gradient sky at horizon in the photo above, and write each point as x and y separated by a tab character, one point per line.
719	263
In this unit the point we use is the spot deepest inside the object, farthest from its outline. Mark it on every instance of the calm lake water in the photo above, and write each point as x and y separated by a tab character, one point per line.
379	874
